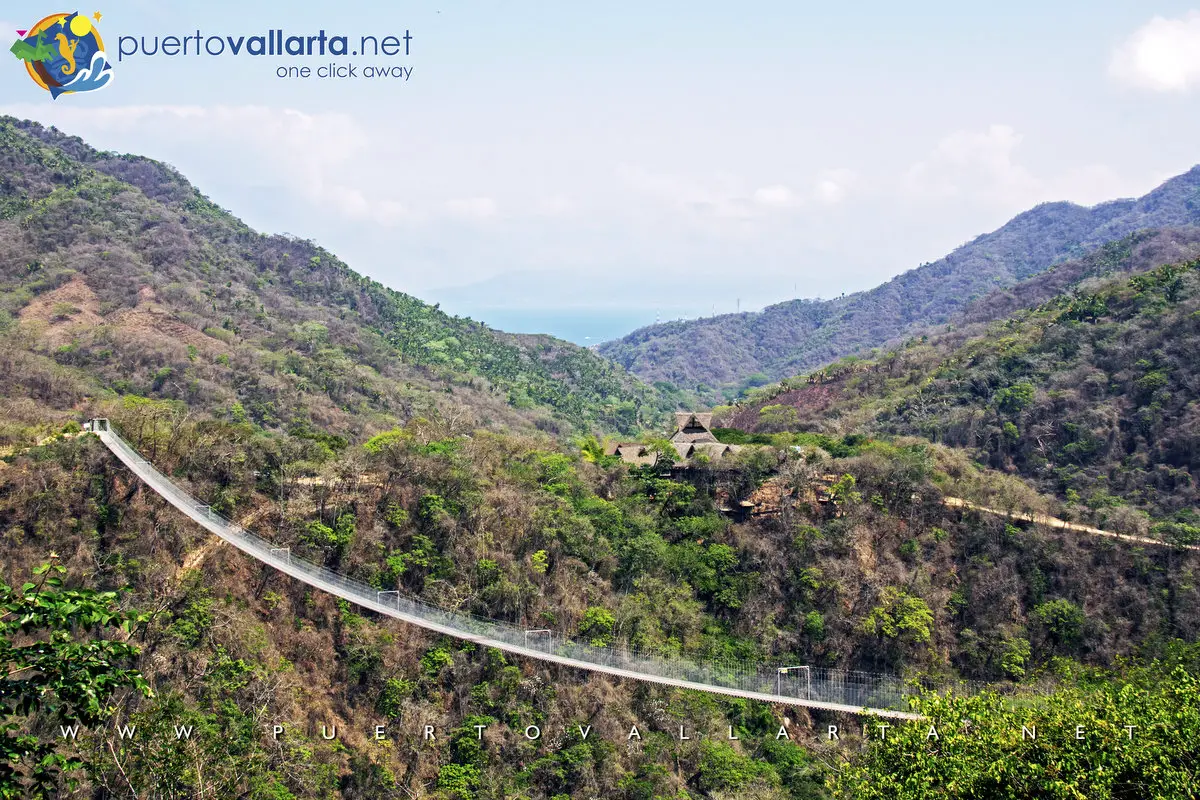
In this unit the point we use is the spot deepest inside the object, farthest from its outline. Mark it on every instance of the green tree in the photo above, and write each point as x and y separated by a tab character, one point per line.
842	492
597	626
722	768
1062	619
61	663
900	615
592	450
1013	656
1074	745
459	781
1013	399
814	624
334	541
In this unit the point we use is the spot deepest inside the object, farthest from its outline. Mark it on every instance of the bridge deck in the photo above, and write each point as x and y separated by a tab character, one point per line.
830	690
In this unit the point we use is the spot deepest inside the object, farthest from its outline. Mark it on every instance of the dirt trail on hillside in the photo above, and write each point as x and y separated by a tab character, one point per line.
1055	522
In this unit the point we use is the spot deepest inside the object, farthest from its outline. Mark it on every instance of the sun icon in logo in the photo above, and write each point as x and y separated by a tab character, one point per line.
64	54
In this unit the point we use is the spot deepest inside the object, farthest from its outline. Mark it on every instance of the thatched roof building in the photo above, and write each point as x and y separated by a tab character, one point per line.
634	453
693	437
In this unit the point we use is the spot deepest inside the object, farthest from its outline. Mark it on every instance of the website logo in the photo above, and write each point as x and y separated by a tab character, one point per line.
64	54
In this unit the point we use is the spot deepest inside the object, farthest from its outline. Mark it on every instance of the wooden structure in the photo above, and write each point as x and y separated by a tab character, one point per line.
693	439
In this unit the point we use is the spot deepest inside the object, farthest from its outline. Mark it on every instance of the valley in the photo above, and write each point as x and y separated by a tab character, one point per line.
994	499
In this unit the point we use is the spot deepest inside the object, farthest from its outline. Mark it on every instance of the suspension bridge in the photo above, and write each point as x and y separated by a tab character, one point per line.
812	687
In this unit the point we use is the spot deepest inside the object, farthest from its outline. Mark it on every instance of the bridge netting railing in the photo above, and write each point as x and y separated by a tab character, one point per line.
819	687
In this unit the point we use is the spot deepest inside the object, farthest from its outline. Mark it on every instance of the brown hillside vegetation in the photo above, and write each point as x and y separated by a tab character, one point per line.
69	309
123	278
1091	395
430	455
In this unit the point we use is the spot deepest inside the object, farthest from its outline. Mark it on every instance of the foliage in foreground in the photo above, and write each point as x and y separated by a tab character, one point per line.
58	664
1072	744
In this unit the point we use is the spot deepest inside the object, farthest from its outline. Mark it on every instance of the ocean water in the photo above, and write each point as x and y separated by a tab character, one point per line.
583	327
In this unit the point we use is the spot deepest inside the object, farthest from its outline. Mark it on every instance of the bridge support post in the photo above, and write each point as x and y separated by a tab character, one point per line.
546	632
808	680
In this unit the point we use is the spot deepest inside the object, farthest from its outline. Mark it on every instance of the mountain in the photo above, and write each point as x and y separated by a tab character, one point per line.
717	356
418	453
125	279
1081	380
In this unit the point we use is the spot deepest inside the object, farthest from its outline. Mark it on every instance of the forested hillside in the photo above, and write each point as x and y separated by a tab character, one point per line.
428	455
120	276
884	578
716	357
1090	394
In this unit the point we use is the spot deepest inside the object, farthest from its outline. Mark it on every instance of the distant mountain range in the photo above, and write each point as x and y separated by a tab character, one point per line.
1082	380
716	357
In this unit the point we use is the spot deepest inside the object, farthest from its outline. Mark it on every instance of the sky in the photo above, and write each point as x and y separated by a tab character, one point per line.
584	169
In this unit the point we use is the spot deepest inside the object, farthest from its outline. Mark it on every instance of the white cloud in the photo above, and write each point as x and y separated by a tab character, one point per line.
327	159
1161	56
1091	184
728	197
964	159
982	166
556	205
668	188
720	197
304	153
834	185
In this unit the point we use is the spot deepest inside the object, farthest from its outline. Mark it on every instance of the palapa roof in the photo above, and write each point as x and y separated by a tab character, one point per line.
692	438
691	427
714	450
636	453
685	418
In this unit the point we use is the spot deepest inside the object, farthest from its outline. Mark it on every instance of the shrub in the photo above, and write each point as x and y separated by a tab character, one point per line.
391	699
723	769
814	624
1013	399
1062	619
1013	657
900	616
597	626
435	660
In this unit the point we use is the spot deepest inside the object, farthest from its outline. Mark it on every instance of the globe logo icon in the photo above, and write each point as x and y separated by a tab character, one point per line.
64	54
